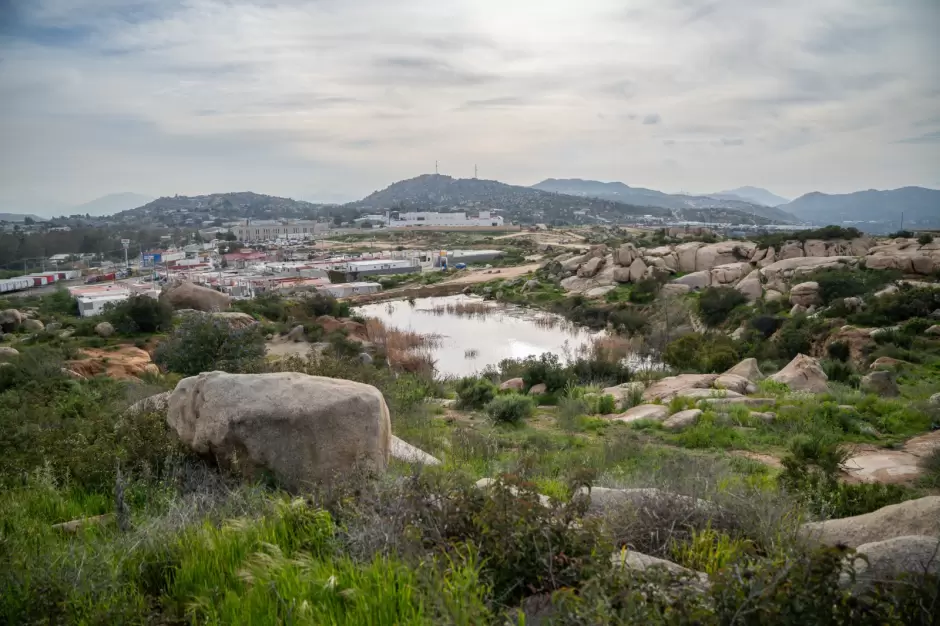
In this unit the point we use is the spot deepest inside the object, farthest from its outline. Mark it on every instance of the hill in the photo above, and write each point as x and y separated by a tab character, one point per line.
111	204
754	195
881	209
620	192
19	217
435	192
193	210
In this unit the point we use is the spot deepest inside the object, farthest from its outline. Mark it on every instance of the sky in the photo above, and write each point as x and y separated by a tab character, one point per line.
330	100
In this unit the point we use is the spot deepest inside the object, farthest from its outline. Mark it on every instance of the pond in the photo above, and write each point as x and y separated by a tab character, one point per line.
474	333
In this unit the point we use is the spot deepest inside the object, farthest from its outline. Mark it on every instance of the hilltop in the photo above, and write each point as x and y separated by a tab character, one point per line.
111	204
190	210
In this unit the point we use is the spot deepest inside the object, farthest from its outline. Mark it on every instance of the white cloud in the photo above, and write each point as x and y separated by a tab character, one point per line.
307	97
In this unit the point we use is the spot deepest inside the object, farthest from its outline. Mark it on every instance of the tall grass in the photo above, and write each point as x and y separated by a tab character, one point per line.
406	350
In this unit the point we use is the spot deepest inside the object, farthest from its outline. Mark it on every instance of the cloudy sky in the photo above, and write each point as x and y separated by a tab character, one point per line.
332	99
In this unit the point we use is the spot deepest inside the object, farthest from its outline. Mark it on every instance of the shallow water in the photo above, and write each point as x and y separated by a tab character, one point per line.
503	332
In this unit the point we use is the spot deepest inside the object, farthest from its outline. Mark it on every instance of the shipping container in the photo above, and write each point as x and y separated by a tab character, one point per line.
15	284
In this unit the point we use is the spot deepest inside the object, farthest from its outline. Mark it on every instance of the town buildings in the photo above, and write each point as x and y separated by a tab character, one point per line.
271	230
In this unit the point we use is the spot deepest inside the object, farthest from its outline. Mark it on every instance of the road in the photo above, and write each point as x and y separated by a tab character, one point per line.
481	276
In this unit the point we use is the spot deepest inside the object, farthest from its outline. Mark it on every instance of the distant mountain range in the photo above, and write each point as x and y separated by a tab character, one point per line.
431	192
18	217
919	205
620	192
111	204
193	210
754	195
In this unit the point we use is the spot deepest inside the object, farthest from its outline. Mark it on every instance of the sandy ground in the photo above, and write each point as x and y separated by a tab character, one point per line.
481	275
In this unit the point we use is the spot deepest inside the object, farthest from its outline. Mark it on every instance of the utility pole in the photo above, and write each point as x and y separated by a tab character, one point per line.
435	167
902	220
475	172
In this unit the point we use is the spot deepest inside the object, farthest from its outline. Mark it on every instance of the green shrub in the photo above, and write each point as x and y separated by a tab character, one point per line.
140	314
270	306
317	304
840	372
715	304
644	291
797	336
702	353
838	350
930	464
510	409
60	302
474	392
606	404
925	239
835	284
203	343
570	413
906	303
547	369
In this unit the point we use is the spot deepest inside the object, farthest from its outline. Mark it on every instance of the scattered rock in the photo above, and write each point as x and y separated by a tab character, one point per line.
365	358
592	267
104	329
538	389
53	327
637	270
626	254
696	281
7	354
639	562
656	412
853	304
158	402
682	419
33	326
803	373
798	309
751	286
296	334
772	295
911	554
404	451
86	522
668	388
736	383
880	382
10	320
671	290
914	517
767	417
530	284
805	294
303	429
514	384
742	400
933	330
622	392
605	499
934	400
486	483
72	374
748	369
235	319
186	295
598	292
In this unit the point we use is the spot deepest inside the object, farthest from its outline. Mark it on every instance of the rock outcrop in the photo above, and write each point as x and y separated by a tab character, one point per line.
914	517
880	560
803	373
881	383
682	419
747	369
592	267
404	451
805	294
10	320
656	412
668	388
513	384
186	295
104	329
302	429
7	353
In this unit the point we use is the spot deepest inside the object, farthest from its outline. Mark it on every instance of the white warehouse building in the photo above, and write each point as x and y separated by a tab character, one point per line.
410	219
268	230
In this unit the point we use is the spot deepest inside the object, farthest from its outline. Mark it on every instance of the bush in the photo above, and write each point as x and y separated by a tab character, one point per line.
60	302
835	284
838	350
606	404
140	314
203	343
271	306
702	353
474	393
510	409
906	303
840	372
796	336
766	325
644	291
715	304
925	239
319	303
545	368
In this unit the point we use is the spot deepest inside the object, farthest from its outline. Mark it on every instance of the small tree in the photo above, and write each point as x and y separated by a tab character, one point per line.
140	314
203	343
716	303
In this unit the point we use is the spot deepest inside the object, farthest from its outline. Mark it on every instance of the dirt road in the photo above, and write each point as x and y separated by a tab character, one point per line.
481	276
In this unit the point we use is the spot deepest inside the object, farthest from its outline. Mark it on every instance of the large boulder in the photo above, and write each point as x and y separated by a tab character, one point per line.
7	353
805	294
803	373
33	326
622	274
104	329
913	554
779	274
791	250
730	273
10	320
186	295
637	270
750	286
592	267
747	369
681	419
157	403
302	429
881	383
404	451
668	388
914	517
235	319
624	391
573	263
735	383
625	254
513	384
656	412
685	253
297	334
696	280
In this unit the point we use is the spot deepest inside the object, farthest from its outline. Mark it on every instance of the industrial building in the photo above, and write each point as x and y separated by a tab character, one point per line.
354	269
270	230
344	290
398	219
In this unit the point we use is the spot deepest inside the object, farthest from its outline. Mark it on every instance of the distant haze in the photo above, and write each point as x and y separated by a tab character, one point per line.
335	99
